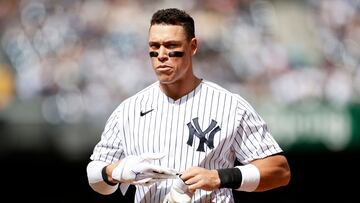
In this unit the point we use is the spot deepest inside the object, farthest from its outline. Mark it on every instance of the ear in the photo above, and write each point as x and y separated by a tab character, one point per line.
193	45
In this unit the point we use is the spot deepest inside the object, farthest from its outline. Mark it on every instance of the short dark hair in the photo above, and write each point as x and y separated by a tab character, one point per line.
174	16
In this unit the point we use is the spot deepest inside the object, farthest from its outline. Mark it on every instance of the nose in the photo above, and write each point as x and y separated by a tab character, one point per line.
162	54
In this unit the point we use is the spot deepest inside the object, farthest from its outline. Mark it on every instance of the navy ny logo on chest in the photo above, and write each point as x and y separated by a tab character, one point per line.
195	130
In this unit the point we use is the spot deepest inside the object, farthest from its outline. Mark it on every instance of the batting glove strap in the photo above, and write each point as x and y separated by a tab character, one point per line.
230	178
106	178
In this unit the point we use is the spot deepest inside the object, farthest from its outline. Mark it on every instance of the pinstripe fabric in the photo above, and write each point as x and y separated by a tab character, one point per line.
242	134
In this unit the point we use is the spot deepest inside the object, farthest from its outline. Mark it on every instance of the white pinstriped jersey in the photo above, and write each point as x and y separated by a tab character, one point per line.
210	127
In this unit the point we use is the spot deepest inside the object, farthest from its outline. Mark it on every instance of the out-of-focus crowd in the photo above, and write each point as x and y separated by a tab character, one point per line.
79	59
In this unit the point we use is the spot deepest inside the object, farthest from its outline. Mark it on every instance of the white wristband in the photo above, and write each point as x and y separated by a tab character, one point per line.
95	179
250	178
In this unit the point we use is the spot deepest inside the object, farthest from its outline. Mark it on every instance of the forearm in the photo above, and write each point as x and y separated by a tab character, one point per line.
273	175
254	177
96	180
259	175
242	178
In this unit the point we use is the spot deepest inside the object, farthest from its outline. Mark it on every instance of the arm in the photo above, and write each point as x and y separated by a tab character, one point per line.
107	149
274	172
253	144
96	178
132	169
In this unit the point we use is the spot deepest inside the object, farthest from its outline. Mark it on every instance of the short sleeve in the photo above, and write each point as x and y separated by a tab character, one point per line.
109	149
253	139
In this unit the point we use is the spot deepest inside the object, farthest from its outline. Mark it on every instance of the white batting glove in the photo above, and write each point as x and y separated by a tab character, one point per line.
179	193
139	170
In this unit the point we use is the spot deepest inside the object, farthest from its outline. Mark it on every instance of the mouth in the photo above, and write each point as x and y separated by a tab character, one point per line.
163	68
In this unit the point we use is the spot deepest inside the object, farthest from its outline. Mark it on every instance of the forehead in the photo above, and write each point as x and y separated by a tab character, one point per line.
160	33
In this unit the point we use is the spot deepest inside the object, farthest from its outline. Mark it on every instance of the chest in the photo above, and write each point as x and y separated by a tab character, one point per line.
186	133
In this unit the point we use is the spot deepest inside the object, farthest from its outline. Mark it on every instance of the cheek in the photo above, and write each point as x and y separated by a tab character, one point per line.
177	63
182	62
153	62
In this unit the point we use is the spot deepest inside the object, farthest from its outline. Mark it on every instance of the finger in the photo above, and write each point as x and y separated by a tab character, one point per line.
151	168
163	170
197	185
164	176
145	170
192	180
141	181
147	182
187	175
155	175
153	156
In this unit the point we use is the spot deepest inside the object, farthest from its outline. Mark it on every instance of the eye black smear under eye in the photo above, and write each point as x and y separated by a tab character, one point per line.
176	54
171	54
153	54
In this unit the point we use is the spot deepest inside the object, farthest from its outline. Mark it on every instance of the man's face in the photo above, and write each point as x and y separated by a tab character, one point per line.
164	39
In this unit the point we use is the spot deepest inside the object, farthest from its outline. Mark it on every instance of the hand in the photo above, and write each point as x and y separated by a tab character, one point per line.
201	178
179	193
139	170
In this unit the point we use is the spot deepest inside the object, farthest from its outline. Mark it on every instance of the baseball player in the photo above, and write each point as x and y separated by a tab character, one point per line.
177	140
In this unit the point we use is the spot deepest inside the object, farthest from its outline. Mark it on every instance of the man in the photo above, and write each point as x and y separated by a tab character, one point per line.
177	140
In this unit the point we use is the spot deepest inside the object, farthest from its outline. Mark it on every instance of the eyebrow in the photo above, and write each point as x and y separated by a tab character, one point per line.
165	43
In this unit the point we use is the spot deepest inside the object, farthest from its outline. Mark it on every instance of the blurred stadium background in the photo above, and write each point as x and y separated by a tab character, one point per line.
65	65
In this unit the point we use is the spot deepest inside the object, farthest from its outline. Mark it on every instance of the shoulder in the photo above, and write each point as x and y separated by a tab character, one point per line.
144	92
240	104
134	98
218	88
240	101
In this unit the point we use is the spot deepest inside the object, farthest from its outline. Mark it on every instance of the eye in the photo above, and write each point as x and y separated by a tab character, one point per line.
171	46
154	46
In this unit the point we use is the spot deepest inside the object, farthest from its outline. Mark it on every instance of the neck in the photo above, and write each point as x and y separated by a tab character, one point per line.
180	88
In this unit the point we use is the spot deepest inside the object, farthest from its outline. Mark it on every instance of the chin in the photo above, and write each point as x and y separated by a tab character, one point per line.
165	80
